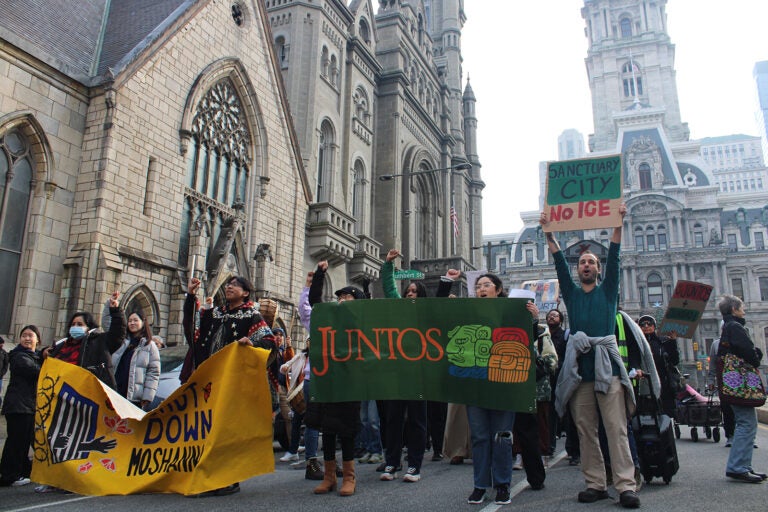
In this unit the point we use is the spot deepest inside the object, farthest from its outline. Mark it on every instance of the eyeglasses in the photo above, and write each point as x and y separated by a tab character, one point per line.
646	324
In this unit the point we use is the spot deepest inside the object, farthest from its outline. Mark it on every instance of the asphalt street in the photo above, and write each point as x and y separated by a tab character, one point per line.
700	485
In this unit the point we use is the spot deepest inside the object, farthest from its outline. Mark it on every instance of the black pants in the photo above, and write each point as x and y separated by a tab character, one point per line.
436	416
415	427
571	435
526	434
329	447
729	422
15	461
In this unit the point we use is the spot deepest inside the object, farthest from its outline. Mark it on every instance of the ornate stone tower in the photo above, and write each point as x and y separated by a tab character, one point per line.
630	64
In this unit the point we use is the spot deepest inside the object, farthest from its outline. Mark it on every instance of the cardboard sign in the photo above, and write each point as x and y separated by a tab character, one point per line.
583	194
685	308
547	292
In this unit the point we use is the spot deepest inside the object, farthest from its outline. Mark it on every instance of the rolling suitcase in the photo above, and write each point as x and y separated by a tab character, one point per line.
655	440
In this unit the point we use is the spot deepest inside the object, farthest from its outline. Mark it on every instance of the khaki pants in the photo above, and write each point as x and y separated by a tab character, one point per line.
584	405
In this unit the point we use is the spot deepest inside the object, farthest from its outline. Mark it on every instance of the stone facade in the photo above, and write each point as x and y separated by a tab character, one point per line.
111	157
376	91
680	225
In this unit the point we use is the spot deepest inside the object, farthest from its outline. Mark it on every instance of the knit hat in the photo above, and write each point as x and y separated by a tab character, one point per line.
647	318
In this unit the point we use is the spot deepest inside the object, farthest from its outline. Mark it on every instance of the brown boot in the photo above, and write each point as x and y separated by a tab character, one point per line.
329	478
348	483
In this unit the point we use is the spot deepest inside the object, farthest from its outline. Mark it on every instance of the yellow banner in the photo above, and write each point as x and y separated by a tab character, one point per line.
211	432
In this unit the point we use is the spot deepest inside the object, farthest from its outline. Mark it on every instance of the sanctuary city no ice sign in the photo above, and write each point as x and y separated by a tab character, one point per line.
584	194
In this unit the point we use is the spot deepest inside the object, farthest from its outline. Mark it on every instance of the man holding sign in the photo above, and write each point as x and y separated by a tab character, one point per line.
593	378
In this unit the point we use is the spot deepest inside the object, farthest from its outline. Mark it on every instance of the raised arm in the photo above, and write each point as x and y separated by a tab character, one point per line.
318	280
554	246
616	236
388	275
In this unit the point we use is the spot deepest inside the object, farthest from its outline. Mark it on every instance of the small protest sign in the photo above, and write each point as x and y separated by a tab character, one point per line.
685	308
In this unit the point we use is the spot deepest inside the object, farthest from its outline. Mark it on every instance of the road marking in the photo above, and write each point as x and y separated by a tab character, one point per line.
52	504
523	484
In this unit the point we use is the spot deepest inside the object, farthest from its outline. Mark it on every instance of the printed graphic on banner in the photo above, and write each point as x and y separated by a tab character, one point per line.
90	440
583	194
547	293
469	351
685	308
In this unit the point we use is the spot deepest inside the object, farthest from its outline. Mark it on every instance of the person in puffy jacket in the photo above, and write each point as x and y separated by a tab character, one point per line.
137	363
19	408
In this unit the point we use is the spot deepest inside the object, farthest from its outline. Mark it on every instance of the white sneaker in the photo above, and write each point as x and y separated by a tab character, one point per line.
412	475
389	474
289	457
301	449
518	462
21	481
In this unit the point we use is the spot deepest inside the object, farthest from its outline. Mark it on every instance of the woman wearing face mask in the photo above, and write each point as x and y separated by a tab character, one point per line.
19	408
89	348
137	363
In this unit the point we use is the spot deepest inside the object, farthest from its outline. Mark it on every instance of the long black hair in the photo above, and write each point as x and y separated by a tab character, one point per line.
87	318
146	330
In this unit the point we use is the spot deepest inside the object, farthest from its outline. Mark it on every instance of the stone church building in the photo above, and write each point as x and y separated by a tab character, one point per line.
146	139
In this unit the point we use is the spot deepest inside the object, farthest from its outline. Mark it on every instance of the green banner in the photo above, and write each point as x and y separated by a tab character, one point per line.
469	351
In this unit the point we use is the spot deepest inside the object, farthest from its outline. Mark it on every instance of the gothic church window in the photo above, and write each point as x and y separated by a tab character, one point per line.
324	161
358	191
219	163
281	48
15	191
324	61
365	32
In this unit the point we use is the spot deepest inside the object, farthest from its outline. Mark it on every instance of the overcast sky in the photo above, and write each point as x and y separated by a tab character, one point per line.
525	62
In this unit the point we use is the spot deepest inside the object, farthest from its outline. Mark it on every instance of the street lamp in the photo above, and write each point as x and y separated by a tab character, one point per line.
464	166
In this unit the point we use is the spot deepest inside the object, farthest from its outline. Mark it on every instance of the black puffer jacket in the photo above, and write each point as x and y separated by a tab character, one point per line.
21	394
97	348
734	339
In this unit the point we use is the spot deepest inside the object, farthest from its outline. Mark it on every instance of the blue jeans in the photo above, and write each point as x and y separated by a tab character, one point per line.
491	445
370	433
740	457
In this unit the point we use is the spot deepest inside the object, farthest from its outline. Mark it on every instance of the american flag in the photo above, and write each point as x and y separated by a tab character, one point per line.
455	221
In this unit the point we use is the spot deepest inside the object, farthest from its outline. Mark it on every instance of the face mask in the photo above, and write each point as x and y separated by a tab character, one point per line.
77	331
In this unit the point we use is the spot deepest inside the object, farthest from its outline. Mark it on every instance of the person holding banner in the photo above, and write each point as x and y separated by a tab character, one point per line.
238	321
336	420
491	429
89	348
411	414
137	363
19	408
593	380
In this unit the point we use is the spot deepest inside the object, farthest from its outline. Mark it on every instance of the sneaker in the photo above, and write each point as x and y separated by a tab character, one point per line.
289	457
629	499
477	496
313	471
389	474
412	475
638	479
592	495
21	481
365	458
728	442
437	457
302	449
44	489
381	467
299	464
518	462
574	461
375	458
502	495
230	489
